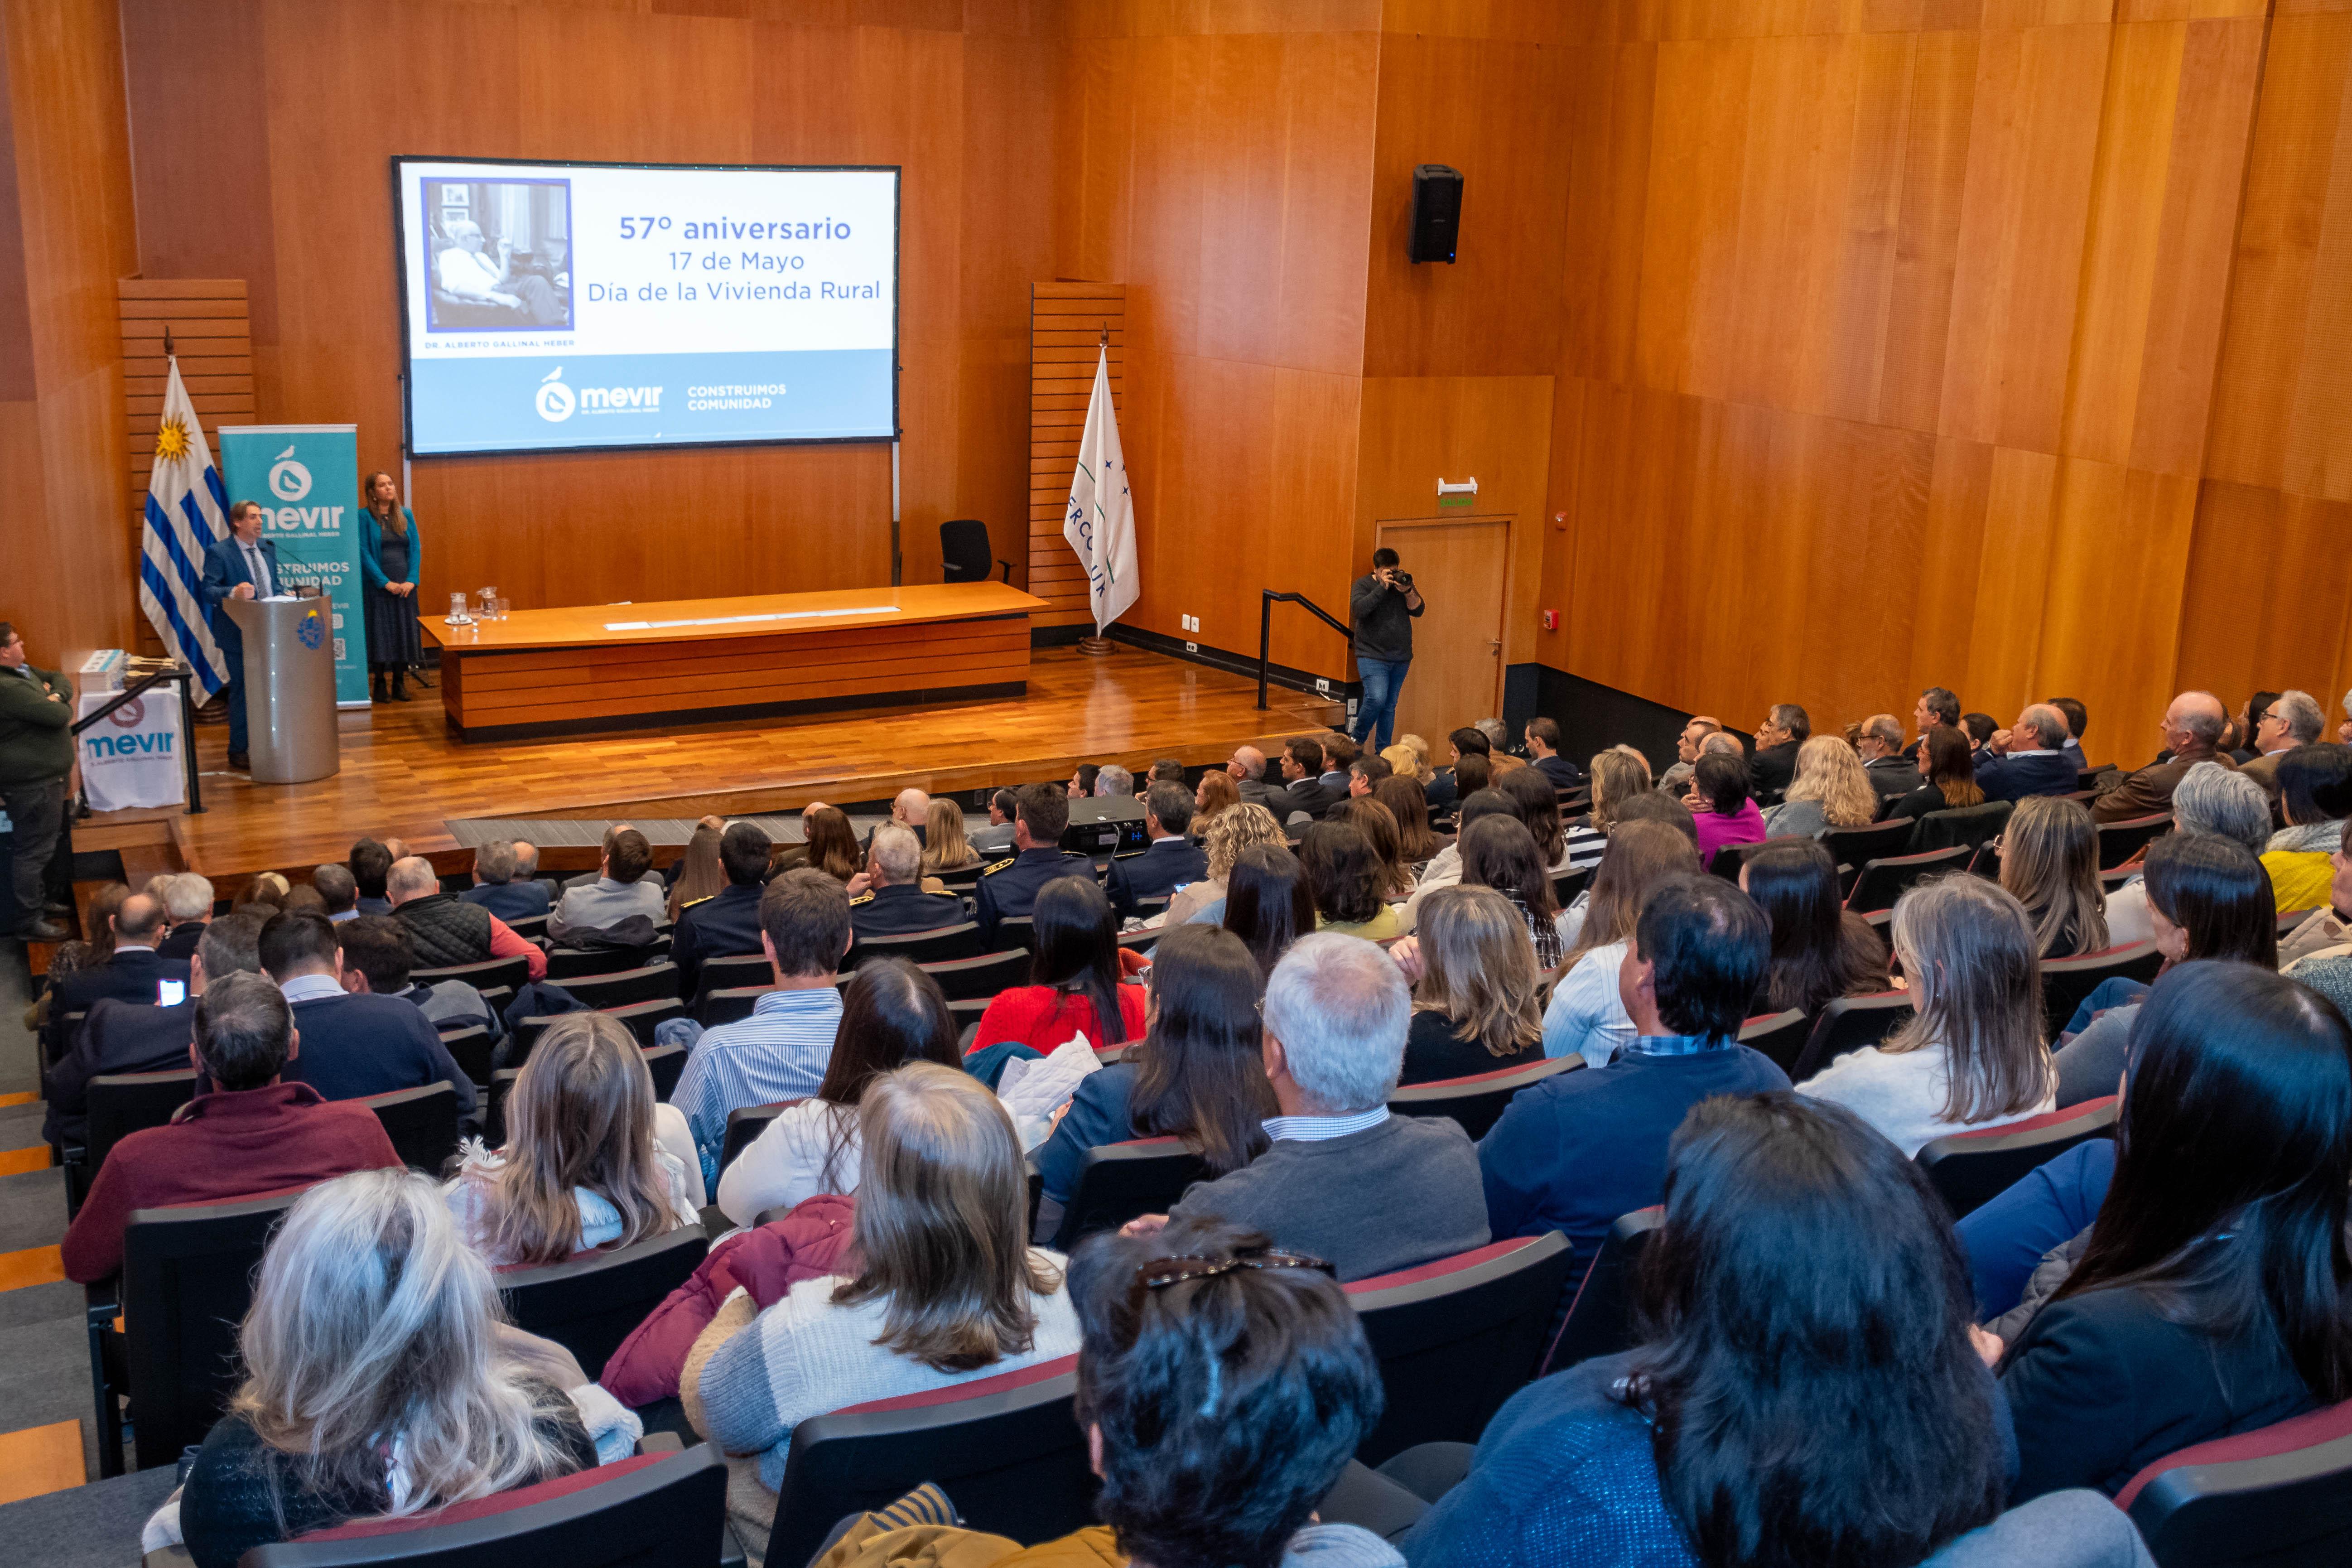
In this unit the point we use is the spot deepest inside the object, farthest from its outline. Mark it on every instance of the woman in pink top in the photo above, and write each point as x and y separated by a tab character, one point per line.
1720	807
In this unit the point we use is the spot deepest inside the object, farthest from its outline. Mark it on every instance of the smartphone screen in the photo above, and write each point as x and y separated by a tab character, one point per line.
170	993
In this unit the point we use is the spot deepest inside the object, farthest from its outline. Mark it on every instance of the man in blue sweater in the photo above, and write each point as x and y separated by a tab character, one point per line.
1575	1152
2027	758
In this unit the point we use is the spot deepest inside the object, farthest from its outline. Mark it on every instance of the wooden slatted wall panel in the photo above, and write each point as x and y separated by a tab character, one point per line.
1066	321
206	317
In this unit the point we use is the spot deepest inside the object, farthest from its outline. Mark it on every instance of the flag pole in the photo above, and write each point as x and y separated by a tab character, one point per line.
1099	645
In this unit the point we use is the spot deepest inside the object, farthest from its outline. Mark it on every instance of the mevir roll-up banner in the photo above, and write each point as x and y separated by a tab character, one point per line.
306	479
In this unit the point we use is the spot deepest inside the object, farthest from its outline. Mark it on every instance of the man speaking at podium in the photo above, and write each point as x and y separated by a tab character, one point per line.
242	566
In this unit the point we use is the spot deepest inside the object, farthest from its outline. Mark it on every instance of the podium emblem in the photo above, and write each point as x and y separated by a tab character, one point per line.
313	630
129	715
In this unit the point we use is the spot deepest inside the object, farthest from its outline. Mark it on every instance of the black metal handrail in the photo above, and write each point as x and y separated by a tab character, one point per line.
1266	601
181	674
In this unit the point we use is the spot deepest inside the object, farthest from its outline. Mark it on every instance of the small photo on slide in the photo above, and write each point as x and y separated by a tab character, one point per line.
498	255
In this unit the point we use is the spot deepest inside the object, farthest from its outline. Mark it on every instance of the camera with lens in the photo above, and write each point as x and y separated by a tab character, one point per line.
1401	578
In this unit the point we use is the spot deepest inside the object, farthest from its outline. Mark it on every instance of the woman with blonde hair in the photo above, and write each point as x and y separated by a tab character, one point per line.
1473	968
700	876
266	889
1972	1054
581	1168
1832	789
1407	761
946	846
948	1287
1217	793
1231	831
2050	861
378	1379
1586	1016
1618	774
1378	824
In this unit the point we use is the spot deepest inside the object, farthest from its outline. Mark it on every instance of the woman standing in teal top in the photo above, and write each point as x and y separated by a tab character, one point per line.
390	556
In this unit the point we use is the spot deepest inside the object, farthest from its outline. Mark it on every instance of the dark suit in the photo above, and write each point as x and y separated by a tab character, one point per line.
224	568
724	925
118	1036
510	900
1008	890
1560	770
129	976
1272	796
1314	797
1892	777
1442	792
1160	870
356	1045
181	941
903	909
2023	774
1771	770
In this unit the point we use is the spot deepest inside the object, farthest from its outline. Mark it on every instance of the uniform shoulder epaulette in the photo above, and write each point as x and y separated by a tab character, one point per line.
999	865
861	898
691	903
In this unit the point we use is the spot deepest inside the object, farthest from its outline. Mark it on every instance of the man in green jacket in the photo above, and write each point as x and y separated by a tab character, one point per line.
37	754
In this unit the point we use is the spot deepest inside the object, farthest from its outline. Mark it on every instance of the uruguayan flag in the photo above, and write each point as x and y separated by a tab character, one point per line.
186	510
1100	524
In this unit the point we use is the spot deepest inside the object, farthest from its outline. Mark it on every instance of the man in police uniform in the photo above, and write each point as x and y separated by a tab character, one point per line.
1008	890
726	924
895	903
1171	859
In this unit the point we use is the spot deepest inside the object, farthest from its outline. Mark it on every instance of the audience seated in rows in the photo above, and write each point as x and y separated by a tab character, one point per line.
1314	772
726	924
1408	805
338	893
828	844
1576	1150
1444	868
1619	775
1378	826
995	836
501	885
1773	764
360	1045
1215	794
1536	806
1348	882
1344	1178
370	862
248	1131
621	889
1268	904
1951	782
1586	1015
1498	852
2210	798
446	929
1892	774
1688	746
2191	733
780	1052
946	846
188	900
1008	890
891	1013
580	1168
1113	781
1821	950
889	898
377	1379
2049	864
377	959
1169	860
948	1287
1476	1007
698	873
2026	759
2315	800
1075	978
2207	898
1197	1074
1721	807
1542	737
1805	1390
2293	719
1936	705
1972	1054
1830	789
2210	1295
131	971
1229	833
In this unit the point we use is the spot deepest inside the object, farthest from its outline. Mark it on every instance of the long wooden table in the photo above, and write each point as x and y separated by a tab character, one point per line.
591	668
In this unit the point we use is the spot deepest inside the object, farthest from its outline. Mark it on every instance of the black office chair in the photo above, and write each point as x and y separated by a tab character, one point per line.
118	1105
943	945
490	972
1848	1024
1122	1181
1476	1102
1599	1318
965	555
592	1301
421	1122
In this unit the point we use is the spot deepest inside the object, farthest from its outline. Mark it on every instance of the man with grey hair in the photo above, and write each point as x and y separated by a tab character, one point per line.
1497	733
338	890
188	900
2191	729
1772	766
447	930
1881	749
888	898
1344	1179
2028	758
503	888
467	271
2211	797
1114	783
1248	770
2293	719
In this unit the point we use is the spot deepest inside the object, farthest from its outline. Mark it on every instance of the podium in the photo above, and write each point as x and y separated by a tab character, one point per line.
289	687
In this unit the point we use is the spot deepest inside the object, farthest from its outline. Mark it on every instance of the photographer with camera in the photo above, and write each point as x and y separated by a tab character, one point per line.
1382	606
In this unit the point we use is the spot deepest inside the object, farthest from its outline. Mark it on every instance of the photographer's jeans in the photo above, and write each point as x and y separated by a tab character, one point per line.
1383	678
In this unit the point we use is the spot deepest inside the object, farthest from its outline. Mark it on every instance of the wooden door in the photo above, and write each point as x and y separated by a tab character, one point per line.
1459	564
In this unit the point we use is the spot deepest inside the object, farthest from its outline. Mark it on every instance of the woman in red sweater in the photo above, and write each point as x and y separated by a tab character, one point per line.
1073	979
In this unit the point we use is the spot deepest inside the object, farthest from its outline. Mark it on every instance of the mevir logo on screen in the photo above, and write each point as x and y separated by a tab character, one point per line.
557	402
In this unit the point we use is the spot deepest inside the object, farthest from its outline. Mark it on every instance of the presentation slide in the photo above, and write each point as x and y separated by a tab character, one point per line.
557	307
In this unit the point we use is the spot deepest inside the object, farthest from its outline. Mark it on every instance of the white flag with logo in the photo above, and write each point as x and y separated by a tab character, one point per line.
1102	522
186	510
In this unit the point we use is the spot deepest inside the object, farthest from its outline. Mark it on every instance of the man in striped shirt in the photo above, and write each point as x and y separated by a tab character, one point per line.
781	1050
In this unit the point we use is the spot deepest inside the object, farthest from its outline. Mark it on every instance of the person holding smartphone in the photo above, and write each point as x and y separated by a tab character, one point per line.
1383	606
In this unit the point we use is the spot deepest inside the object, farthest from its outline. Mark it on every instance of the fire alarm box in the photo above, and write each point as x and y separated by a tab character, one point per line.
1551	620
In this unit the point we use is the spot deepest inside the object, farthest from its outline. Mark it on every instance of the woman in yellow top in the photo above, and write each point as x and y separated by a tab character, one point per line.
2315	796
1349	884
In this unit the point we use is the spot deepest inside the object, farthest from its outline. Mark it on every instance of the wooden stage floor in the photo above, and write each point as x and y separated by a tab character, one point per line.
405	776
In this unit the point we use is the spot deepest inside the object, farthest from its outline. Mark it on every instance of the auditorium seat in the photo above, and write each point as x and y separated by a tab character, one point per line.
1849	1024
2119	841
422	1123
2067	982
567	965
636	1512
1477	1101
1122	1181
1971	1169
591	1301
1779	1035
1728	859
530	926
744	1125
939	946
667	1065
2278	1495
980	979
1566	886
118	1105
645	982
1600	1317
1016	931
187	1280
508	971
2109	881
735	969
728	1005
642	1018
470	1046
1884	880
1007	1449
1856	847
1457	1337
1141	940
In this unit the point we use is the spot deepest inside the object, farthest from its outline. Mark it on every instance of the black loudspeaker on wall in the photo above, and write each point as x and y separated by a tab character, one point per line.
1436	212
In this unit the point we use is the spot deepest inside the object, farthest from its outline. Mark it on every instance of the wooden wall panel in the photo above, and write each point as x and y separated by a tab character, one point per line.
1067	325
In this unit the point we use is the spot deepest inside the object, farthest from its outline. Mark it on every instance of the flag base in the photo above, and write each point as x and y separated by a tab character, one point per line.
1098	646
